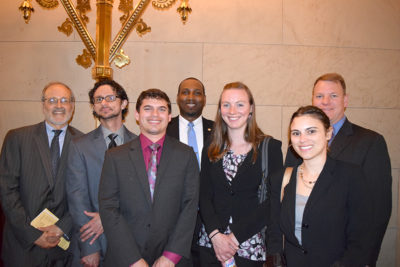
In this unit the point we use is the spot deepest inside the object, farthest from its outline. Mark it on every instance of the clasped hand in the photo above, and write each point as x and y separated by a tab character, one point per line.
225	246
50	236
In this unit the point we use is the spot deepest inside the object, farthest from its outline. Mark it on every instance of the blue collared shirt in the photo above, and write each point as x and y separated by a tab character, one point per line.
50	135
338	125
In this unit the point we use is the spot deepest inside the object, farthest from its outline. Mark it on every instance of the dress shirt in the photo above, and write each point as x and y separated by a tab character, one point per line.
145	143
336	127
120	135
50	135
198	129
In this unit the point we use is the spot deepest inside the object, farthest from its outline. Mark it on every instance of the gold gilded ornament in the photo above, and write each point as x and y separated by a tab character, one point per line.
162	3
48	3
85	59
66	27
83	6
142	28
26	9
125	6
184	10
121	60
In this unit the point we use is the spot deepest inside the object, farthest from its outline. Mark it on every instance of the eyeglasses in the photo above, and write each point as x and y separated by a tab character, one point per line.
107	98
54	100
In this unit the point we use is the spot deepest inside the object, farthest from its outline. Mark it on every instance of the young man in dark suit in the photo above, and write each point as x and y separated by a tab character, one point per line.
355	144
148	193
32	178
110	105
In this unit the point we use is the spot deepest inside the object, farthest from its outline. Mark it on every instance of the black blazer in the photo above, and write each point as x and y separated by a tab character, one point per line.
27	187
219	201
173	128
335	219
367	149
135	226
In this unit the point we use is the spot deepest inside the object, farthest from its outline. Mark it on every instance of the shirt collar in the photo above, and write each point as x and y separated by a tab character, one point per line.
186	122
146	142
107	132
338	125
50	129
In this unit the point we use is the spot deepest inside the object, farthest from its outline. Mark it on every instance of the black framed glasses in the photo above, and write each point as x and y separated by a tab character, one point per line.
107	98
54	100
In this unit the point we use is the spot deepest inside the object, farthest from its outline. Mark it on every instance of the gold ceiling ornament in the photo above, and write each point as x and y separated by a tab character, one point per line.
121	60
48	3
102	50
163	3
85	60
26	9
142	28
184	10
125	6
67	27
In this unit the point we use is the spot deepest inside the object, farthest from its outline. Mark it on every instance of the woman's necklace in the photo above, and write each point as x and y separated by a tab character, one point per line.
308	184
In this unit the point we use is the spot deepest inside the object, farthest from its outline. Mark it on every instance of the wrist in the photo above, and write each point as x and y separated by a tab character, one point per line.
213	234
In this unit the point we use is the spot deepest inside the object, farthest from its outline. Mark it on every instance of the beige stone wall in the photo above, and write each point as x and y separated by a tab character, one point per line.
277	47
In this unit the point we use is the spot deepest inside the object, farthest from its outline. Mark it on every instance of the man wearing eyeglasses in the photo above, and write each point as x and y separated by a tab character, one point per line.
32	178
110	105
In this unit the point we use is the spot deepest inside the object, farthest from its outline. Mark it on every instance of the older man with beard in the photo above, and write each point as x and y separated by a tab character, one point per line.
32	169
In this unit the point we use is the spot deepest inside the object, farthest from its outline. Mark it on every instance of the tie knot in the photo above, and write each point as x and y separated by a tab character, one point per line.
191	125
57	132
154	147
112	136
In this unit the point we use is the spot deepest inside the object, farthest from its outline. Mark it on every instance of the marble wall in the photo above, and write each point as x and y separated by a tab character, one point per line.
277	47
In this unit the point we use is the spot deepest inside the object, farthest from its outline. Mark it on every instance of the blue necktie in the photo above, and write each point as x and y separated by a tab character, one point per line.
192	140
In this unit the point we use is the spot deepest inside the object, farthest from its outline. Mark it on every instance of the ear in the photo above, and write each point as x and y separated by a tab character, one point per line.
329	133
346	100
124	104
169	117
136	115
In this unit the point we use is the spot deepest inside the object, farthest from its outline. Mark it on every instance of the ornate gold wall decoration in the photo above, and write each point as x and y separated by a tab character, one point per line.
104	52
162	3
26	9
125	6
67	27
84	60
48	3
142	28
121	60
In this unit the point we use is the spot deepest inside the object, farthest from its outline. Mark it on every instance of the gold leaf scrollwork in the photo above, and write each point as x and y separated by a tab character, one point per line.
66	27
142	28
85	59
121	60
48	3
83	6
184	11
163	3
125	6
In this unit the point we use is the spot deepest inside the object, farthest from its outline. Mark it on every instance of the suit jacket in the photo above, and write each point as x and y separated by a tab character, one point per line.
367	149
219	201
27	187
173	128
335	218
85	162
135	226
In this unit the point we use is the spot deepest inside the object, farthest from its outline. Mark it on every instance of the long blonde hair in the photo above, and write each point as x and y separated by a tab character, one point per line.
220	142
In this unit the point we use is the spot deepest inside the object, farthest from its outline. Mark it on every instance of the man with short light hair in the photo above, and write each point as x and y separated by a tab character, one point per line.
32	178
363	147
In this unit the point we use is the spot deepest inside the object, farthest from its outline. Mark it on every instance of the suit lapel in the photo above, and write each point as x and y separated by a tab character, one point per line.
206	129
128	136
42	143
341	140
290	203
136	156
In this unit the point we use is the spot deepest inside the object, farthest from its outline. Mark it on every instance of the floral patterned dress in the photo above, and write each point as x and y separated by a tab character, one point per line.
254	247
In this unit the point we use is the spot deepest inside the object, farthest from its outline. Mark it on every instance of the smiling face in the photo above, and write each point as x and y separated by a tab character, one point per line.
309	137
191	99
235	109
58	114
108	110
329	96
153	117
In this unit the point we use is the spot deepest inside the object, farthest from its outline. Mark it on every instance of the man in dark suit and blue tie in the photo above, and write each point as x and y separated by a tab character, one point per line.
355	144
110	105
32	178
148	193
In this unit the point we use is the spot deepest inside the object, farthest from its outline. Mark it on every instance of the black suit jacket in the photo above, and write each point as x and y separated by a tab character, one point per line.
27	187
219	201
367	149
135	226
335	218
173	128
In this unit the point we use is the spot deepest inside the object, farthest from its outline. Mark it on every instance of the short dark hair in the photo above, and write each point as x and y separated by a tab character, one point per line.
155	94
192	78
57	83
332	77
314	112
117	88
